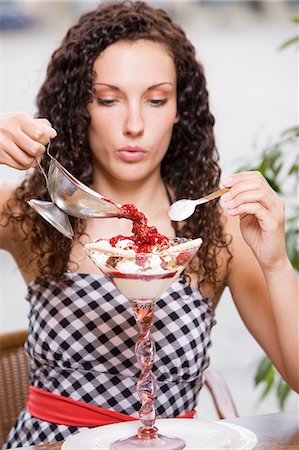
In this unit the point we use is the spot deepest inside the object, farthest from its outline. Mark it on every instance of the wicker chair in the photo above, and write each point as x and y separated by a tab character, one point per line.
13	379
14	383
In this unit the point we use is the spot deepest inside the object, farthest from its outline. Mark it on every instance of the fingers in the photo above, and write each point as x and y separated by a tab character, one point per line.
14	156
23	139
267	222
251	194
252	178
39	130
246	193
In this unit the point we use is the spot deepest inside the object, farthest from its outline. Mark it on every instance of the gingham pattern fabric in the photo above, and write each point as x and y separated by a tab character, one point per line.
81	345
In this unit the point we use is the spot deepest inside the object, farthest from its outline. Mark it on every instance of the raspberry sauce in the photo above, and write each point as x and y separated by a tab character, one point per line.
144	237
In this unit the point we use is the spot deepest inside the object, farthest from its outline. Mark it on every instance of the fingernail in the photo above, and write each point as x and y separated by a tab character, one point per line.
228	181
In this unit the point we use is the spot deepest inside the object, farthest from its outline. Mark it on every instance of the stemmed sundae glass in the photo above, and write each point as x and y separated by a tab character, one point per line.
142	278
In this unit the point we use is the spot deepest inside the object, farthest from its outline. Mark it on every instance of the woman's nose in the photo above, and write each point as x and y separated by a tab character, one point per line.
134	125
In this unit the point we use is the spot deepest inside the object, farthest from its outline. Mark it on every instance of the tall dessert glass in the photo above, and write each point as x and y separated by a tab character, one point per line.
142	278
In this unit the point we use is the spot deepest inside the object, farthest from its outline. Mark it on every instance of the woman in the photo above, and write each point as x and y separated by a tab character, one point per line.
126	107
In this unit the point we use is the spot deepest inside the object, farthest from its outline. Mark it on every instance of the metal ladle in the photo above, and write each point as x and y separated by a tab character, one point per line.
70	197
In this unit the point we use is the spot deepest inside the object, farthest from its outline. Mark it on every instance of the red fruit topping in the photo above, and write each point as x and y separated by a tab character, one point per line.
113	241
183	258
144	237
142	260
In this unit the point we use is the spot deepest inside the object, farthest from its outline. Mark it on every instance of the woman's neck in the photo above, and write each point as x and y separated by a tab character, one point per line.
148	195
142	193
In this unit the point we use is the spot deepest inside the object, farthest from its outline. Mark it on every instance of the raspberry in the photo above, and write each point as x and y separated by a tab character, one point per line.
183	258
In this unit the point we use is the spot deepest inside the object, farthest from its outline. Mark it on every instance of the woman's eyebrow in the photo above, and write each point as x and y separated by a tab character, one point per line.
110	86
152	87
155	86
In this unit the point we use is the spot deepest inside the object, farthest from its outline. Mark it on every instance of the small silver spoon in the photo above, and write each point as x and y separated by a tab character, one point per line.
182	209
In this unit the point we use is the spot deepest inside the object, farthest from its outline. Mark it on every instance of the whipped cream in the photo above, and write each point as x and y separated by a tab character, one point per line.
123	258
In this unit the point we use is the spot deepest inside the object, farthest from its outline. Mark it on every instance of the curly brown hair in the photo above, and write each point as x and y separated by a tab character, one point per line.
190	167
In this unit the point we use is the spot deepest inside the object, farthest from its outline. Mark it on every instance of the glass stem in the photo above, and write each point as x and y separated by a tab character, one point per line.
145	353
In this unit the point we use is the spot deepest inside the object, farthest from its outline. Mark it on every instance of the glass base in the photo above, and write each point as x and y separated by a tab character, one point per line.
160	442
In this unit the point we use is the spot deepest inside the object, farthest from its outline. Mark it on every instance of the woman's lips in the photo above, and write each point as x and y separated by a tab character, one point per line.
131	154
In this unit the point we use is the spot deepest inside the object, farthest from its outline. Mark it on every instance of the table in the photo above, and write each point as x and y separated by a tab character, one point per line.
274	431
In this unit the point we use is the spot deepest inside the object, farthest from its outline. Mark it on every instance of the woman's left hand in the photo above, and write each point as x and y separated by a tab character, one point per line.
261	213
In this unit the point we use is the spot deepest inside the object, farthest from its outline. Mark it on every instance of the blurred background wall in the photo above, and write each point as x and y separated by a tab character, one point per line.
253	95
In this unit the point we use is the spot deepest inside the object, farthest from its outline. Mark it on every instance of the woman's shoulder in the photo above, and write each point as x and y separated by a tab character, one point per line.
7	192
226	255
234	237
243	268
7	206
12	235
230	223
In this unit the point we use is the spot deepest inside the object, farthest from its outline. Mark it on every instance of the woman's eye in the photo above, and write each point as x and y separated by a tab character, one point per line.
105	101
158	102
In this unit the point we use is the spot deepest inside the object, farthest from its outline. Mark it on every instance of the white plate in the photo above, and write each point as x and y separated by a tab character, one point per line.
198	435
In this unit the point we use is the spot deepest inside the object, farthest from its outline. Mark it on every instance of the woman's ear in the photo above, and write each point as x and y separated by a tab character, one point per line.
177	118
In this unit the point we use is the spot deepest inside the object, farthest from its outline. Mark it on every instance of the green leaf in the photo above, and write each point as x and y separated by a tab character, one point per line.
293	131
263	369
289	42
294	169
263	166
293	220
295	20
277	169
283	390
274	185
294	259
269	380
292	242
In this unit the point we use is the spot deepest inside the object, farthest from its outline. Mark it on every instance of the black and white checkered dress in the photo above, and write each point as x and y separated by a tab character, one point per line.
81	345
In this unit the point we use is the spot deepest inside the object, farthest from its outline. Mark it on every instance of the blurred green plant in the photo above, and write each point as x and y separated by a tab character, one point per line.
279	164
268	375
292	40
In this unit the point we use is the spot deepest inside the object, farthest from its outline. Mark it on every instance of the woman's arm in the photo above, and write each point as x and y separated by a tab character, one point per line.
262	281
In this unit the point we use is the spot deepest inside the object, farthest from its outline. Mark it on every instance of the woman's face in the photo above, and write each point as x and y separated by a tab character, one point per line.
133	110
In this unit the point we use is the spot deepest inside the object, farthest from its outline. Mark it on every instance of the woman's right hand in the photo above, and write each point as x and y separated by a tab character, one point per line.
23	139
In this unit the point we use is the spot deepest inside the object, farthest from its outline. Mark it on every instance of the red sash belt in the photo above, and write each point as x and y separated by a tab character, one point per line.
65	411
